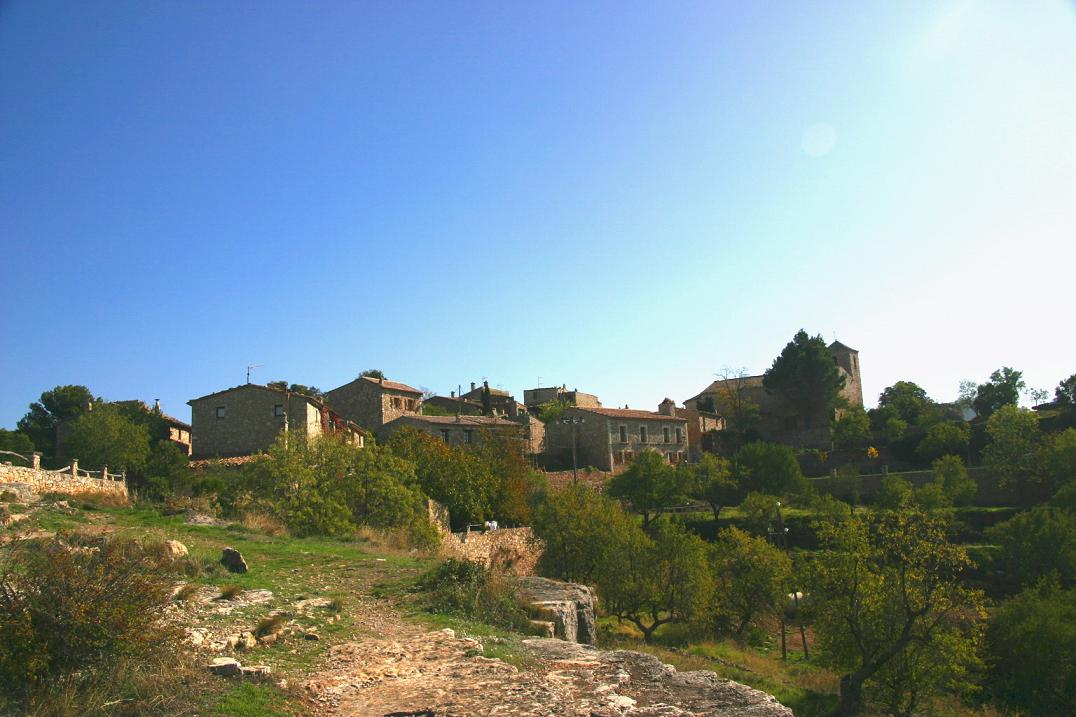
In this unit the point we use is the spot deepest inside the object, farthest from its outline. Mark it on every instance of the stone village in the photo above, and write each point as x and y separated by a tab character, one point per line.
245	420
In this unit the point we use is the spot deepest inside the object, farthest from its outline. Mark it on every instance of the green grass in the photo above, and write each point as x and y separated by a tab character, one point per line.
248	699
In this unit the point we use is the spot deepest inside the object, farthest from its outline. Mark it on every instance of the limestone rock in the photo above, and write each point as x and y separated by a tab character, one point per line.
225	667
570	607
176	549
256	670
233	560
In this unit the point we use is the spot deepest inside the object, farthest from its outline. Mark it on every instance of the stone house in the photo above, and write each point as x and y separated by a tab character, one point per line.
501	402
453	405
373	402
779	420
535	397
609	438
453	430
701	427
247	419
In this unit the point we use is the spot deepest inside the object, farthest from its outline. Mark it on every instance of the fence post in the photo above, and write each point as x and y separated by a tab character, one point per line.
104	472
35	461
885	470
74	467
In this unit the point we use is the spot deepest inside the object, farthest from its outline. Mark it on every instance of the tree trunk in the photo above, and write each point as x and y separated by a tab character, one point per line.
851	700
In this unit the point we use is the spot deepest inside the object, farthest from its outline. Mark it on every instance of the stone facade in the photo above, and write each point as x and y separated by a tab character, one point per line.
607	438
453	430
535	397
515	550
701	426
453	405
501	403
372	402
779	420
247	419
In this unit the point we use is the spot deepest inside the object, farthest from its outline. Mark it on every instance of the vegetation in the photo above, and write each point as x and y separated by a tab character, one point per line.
473	591
805	375
1013	432
1035	544
889	609
753	577
769	468
312	391
711	480
105	437
650	485
852	429
59	404
1003	389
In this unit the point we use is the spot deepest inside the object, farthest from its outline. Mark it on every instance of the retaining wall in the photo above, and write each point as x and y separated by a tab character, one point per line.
69	481
514	549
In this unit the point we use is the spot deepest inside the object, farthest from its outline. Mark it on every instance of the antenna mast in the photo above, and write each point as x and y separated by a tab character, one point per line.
250	369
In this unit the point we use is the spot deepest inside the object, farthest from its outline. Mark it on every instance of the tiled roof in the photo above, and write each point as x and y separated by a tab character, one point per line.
317	402
629	413
392	385
470	420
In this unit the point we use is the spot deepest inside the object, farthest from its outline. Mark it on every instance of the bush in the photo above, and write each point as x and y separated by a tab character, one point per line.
769	468
73	618
1031	651
471	590
1035	543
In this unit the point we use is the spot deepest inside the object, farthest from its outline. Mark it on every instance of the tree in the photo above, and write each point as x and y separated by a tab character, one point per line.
759	511
806	376
1065	393
168	463
453	476
373	373
1034	544
852	429
711	480
752	577
105	437
654	581
768	468
552	410
1031	651
60	404
943	439
896	493
303	390
582	529
894	429
1055	459
650	485
952	477
1013	433
734	403
16	442
890	609
906	400
1003	389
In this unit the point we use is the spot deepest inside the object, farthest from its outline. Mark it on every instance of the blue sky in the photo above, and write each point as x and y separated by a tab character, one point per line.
622	197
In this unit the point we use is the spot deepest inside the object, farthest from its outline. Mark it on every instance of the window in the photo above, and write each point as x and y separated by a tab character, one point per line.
278	410
642	434
468	434
665	434
679	435
623	434
220	411
396	402
444	435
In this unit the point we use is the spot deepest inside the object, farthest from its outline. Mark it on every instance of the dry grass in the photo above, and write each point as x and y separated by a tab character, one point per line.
261	523
269	625
229	592
186	592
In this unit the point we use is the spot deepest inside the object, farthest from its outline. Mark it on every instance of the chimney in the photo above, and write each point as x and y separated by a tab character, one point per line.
157	405
472	385
667	408
452	394
485	385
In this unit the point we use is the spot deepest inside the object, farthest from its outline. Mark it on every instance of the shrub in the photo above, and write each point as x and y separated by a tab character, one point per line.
73	618
895	493
469	589
952	476
229	592
1035	543
186	592
769	468
9	496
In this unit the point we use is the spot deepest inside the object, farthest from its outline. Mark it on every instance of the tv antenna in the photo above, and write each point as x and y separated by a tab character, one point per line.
250	369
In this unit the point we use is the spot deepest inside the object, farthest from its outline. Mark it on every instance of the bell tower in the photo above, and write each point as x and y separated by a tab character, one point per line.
848	359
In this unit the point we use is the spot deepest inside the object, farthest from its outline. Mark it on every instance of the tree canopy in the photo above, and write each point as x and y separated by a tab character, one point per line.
312	391
650	485
806	376
372	373
907	400
768	468
106	437
890	608
1013	433
1003	389
58	404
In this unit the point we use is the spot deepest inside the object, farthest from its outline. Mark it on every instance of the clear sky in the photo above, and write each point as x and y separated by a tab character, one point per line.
622	197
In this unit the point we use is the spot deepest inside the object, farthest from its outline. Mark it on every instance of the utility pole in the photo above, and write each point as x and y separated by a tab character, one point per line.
250	369
574	423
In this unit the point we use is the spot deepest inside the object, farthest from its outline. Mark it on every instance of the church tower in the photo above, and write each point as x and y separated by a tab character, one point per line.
848	359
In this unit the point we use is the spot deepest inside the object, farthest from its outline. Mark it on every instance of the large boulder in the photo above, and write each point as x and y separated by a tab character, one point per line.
232	559
569	606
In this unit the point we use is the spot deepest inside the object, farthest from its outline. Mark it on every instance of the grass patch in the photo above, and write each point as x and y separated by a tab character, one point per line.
249	699
186	592
229	592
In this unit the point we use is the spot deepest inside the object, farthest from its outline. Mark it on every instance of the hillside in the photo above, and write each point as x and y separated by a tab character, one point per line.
335	627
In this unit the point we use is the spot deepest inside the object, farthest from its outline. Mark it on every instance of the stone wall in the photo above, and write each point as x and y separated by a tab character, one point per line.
250	422
70	481
515	549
